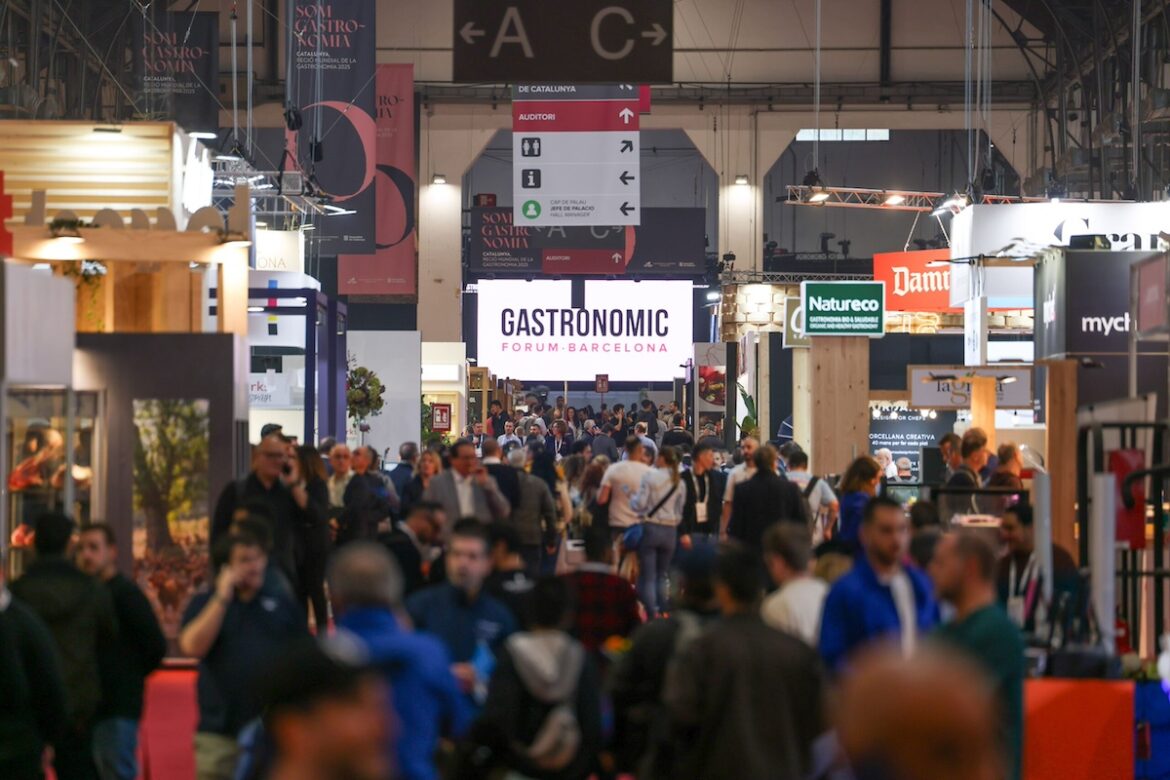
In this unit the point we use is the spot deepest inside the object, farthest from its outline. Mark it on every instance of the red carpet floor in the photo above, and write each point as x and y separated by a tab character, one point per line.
168	726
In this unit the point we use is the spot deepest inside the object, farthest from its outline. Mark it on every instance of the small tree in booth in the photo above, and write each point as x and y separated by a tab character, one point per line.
363	393
170	465
750	425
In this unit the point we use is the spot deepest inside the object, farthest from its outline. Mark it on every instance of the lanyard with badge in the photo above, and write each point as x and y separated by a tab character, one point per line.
701	488
1022	591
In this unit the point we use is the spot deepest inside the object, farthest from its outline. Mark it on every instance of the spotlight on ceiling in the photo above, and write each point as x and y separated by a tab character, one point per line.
741	178
895	200
818	195
438	178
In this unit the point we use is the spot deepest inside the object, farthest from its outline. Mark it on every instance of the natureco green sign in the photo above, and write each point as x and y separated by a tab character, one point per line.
844	308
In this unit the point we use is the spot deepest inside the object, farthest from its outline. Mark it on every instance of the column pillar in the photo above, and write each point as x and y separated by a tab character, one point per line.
839	389
983	401
1060	448
451	138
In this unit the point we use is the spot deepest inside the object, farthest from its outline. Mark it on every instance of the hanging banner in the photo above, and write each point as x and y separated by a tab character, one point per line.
177	63
393	268
333	85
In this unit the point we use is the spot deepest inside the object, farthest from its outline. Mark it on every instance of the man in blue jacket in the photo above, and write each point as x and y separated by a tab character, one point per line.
366	588
881	598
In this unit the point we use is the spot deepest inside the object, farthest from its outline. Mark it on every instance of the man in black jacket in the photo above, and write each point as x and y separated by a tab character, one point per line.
764	499
272	482
411	541
141	647
504	474
650	417
31	689
705	485
678	436
744	695
80	615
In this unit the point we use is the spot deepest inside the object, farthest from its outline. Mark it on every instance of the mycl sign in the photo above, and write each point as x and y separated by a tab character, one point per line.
844	308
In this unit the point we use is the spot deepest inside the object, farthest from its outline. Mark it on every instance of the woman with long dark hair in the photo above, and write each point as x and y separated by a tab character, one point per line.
310	491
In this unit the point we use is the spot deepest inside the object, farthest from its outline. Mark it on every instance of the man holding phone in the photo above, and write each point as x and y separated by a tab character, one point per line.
466	489
236	629
273	482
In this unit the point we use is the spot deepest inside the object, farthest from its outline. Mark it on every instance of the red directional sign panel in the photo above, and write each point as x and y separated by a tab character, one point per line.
585	116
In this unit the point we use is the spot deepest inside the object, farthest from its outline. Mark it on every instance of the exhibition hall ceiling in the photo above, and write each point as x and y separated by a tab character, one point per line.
760	41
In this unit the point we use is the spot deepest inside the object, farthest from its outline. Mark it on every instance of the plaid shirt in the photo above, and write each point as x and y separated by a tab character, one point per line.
607	605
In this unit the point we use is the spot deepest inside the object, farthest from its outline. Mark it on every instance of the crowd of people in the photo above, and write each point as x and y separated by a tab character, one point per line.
556	595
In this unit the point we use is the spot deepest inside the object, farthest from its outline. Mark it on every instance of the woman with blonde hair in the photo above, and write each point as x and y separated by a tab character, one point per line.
430	465
659	502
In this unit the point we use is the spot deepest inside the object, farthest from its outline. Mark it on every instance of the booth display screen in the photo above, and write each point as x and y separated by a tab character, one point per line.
632	331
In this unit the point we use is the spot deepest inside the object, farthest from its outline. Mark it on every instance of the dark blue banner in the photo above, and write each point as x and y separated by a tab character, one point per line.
336	145
177	62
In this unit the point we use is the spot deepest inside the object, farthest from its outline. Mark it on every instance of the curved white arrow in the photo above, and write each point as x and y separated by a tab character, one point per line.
658	34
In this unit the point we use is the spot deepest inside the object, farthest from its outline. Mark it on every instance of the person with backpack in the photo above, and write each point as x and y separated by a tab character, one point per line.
823	505
542	717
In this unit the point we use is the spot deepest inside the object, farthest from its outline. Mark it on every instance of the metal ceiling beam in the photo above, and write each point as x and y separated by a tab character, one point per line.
919	94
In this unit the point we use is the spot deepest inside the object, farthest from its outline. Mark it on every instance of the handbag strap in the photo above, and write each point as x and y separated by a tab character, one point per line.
665	498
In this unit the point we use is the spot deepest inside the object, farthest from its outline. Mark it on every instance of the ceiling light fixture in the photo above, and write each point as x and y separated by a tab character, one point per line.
66	232
438	178
201	135
741	178
818	195
895	200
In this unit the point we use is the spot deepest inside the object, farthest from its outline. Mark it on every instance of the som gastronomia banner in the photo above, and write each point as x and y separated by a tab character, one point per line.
632	331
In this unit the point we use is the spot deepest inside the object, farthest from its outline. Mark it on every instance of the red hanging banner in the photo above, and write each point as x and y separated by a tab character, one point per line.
393	268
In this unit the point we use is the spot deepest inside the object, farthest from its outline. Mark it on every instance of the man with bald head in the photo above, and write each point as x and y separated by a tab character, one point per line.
271	482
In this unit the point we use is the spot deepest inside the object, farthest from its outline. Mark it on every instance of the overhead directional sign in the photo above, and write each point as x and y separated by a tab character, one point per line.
581	41
575	155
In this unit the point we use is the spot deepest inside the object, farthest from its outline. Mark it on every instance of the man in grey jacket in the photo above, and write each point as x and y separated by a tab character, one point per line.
535	515
466	489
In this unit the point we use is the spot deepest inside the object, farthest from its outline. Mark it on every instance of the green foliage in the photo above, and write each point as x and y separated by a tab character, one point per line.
363	392
750	424
170	464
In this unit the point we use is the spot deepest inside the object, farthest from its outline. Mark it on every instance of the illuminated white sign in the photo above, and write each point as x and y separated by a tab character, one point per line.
632	331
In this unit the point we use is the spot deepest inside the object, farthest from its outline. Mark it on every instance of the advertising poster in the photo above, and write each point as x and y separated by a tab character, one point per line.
177	62
669	242
906	434
913	284
336	146
635	331
171	505
393	268
711	385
